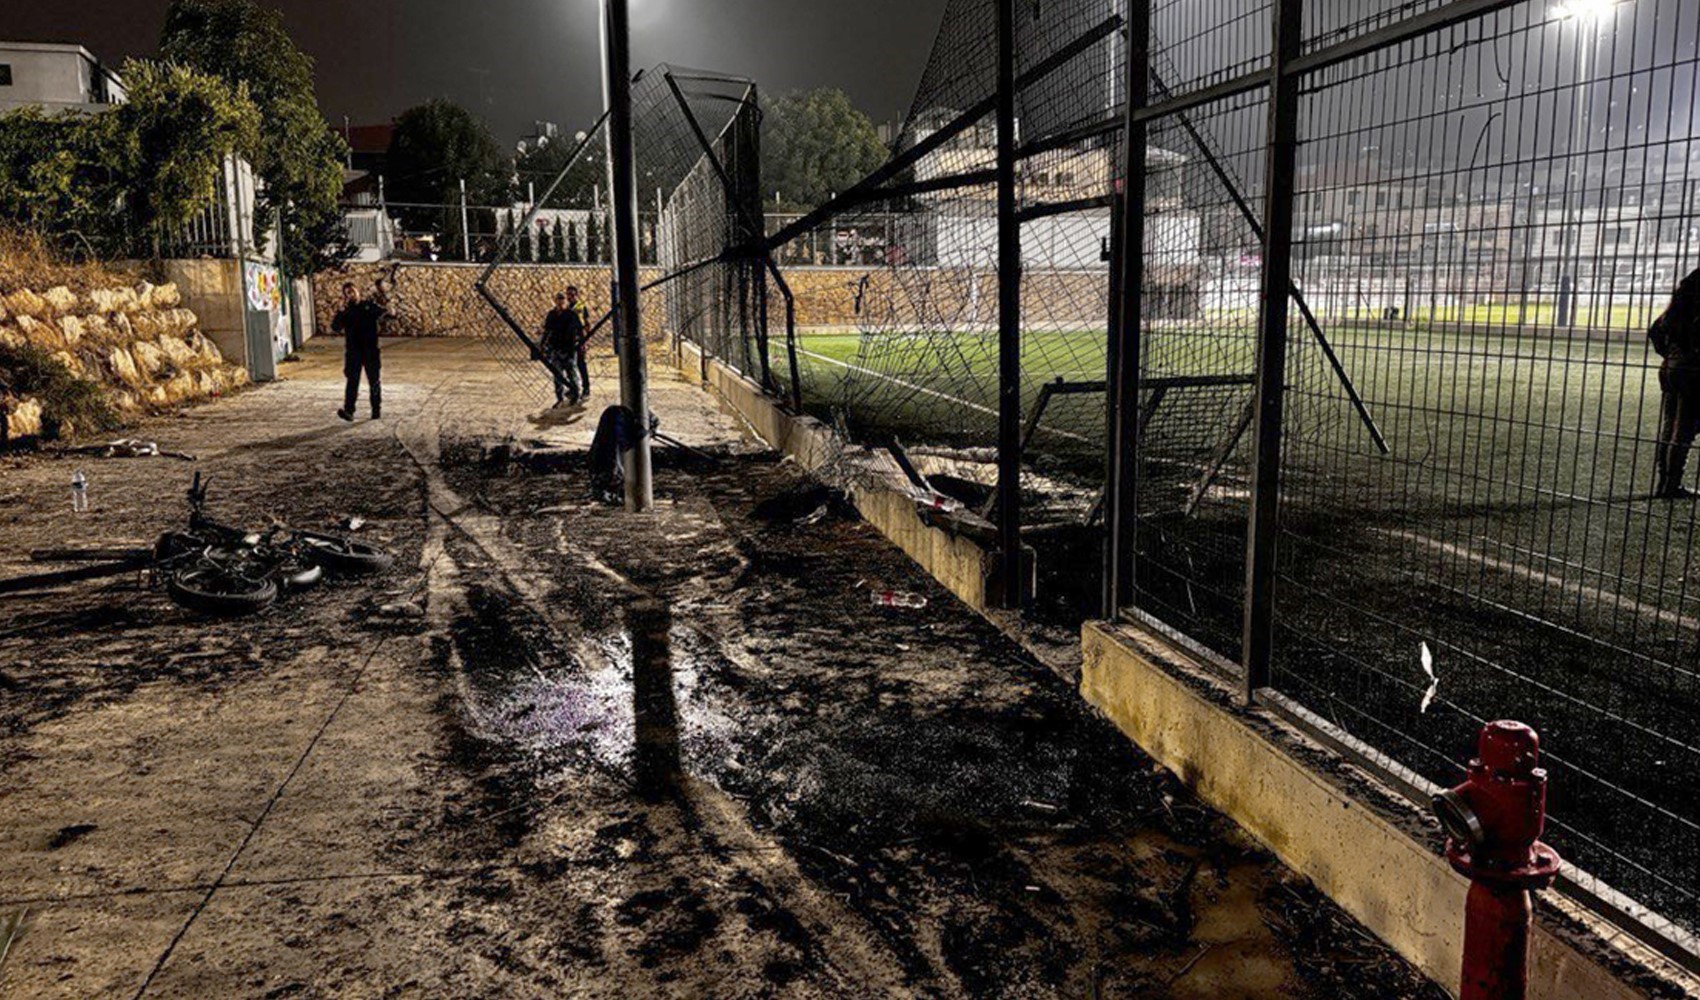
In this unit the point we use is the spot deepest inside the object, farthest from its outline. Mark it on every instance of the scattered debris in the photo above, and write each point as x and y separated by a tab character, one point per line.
934	500
897	599
12	927
352	523
68	835
806	503
1433	680
127	448
402	609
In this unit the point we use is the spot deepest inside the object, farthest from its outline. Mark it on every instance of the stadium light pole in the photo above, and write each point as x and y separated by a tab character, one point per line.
1588	15
622	187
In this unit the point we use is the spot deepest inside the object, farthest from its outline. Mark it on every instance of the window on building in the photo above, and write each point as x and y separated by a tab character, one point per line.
5	74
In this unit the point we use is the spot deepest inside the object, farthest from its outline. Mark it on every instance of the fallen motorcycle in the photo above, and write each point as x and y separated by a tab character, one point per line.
217	569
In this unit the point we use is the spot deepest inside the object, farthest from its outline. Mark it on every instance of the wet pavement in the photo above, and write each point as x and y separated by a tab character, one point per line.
583	753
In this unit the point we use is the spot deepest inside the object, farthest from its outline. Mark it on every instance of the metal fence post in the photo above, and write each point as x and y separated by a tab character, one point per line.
1278	195
622	177
1127	275
1009	318
465	228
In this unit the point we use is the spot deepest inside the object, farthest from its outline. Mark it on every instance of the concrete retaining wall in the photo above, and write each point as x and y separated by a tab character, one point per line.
962	565
1265	776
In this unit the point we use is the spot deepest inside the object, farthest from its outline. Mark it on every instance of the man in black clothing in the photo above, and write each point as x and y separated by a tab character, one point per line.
579	309
563	334
1676	336
357	321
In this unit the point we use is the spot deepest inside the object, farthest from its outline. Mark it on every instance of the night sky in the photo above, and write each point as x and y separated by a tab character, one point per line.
516	61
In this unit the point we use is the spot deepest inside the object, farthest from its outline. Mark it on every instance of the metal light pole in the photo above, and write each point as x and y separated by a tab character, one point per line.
1588	15
622	186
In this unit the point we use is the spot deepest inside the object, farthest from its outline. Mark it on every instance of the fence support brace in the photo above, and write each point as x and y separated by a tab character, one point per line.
1257	643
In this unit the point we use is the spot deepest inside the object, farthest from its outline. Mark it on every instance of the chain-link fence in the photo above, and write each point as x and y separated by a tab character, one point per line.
1441	508
1389	440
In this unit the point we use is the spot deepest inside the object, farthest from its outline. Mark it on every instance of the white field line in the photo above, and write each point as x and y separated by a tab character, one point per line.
1597	594
933	392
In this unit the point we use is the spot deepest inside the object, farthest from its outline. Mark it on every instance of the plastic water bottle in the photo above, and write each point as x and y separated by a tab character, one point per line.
898	599
79	492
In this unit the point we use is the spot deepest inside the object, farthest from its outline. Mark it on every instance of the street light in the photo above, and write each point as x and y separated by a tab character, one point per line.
1586	10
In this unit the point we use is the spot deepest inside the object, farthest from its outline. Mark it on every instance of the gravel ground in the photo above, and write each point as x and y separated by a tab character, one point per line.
562	750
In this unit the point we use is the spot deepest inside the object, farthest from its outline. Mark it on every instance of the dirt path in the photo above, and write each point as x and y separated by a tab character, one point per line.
581	754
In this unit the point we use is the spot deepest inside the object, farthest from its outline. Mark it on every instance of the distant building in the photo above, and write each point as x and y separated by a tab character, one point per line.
56	78
369	146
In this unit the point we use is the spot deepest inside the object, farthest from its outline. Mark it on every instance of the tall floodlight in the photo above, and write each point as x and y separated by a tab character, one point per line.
622	184
1588	16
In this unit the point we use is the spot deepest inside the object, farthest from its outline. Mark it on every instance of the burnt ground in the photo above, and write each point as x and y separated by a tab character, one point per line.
562	750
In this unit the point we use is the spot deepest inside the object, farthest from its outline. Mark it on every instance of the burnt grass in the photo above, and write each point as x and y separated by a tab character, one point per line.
1610	696
995	835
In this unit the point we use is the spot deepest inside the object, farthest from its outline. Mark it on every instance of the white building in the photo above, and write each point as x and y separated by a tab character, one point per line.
55	77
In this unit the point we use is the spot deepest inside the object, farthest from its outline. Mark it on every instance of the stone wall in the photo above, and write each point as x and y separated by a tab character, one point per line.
136	342
438	300
902	298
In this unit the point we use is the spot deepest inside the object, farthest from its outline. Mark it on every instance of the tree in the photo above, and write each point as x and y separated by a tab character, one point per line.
115	183
592	240
55	180
169	139
545	242
560	243
435	146
574	256
816	143
299	156
537	168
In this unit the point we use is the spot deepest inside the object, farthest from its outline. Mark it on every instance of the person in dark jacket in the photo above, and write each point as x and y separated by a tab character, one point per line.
1676	336
578	308
358	321
563	334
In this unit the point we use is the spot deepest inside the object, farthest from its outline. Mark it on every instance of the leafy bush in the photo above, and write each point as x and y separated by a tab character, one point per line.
109	184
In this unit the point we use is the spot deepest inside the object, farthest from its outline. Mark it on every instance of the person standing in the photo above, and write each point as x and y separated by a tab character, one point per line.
563	330
1676	337
582	312
358	321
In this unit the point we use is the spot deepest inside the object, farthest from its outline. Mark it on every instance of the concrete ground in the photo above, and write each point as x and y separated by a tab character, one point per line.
565	751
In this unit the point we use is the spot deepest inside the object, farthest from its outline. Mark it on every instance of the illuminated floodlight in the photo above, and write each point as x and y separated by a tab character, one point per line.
1586	10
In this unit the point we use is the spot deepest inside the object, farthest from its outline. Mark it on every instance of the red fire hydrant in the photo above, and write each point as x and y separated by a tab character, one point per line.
1493	823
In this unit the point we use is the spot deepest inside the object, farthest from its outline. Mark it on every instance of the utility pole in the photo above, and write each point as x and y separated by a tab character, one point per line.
623	207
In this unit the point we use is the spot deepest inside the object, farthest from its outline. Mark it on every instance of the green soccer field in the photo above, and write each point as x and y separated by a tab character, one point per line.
1517	416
